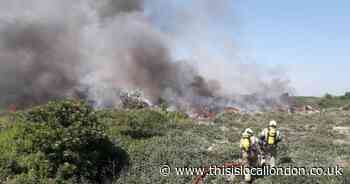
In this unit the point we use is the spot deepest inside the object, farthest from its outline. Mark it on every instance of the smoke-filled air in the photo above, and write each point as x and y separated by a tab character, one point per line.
95	49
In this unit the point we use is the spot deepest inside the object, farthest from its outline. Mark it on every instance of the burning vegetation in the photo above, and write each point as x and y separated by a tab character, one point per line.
134	101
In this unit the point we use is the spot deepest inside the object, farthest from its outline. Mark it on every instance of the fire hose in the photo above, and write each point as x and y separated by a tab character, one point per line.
200	178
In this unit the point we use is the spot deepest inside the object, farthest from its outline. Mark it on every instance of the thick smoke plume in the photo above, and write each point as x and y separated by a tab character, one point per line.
38	62
52	49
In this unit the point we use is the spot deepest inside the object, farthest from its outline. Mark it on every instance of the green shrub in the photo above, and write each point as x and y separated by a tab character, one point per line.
347	94
328	96
145	123
62	140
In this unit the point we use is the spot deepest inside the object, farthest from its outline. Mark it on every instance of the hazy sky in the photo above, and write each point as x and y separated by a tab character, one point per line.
308	40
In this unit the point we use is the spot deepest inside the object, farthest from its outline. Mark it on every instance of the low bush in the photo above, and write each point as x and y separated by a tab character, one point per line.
145	123
60	142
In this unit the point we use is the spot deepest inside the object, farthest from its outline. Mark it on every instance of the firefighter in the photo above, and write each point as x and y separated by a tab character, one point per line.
268	140
249	151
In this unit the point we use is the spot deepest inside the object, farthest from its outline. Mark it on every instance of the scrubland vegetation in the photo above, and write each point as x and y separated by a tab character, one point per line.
69	142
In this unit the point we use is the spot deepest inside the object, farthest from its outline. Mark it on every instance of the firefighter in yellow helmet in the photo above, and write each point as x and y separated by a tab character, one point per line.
249	151
268	140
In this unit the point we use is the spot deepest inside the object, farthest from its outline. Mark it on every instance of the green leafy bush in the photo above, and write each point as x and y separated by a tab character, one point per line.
145	123
328	96
63	141
347	94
